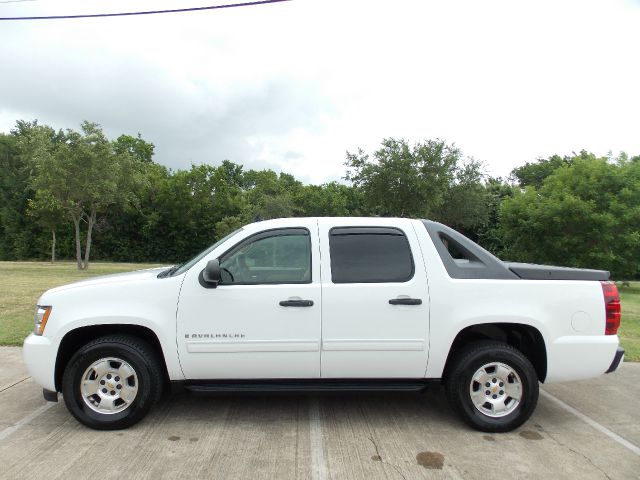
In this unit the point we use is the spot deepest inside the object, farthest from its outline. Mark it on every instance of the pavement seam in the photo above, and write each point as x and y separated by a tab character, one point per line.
552	437
601	428
14	384
371	429
383	461
318	461
7	432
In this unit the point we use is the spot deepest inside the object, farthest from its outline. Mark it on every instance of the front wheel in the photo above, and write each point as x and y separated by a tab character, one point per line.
493	386
112	382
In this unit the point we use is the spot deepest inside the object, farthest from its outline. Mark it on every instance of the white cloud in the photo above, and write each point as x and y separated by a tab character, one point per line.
292	86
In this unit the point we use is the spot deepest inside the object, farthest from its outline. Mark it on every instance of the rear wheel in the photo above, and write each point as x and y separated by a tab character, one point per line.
493	386
112	382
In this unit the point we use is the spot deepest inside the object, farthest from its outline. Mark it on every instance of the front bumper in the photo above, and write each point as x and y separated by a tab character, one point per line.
617	359
39	353
49	396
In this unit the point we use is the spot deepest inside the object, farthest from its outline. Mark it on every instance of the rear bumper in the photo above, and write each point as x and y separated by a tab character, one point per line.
619	356
579	357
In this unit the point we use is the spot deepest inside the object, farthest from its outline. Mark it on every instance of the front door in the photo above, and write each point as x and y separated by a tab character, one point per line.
263	319
375	299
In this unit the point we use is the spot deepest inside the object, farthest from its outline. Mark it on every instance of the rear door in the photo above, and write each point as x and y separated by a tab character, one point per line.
375	304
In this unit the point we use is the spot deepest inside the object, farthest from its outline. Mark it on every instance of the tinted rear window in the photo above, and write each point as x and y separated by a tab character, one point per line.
369	255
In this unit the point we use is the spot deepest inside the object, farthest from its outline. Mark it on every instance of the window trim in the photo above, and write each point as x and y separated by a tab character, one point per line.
272	232
372	230
487	265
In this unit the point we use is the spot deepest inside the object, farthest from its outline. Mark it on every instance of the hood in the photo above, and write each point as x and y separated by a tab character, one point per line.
122	278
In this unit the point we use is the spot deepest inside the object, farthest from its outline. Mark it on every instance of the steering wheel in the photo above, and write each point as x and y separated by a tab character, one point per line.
230	274
241	266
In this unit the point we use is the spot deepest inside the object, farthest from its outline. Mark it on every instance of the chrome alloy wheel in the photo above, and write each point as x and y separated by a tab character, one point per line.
109	385
495	389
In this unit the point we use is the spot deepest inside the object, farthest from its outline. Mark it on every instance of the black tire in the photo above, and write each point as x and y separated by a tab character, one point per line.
140	356
458	384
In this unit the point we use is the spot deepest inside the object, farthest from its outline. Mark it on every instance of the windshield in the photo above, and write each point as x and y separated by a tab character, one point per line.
187	265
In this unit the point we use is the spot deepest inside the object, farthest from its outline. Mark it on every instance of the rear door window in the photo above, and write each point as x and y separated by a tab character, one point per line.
370	255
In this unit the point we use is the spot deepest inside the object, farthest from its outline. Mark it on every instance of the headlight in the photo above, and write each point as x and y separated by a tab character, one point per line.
41	317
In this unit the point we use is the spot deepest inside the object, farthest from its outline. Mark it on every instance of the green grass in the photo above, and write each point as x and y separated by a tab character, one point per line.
21	283
630	326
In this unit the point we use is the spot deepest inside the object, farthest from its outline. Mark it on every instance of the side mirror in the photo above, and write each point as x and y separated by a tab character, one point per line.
211	274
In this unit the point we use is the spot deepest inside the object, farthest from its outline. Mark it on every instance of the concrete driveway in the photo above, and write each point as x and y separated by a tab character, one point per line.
585	430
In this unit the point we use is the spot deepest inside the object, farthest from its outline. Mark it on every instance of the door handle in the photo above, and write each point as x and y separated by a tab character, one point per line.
405	301
296	303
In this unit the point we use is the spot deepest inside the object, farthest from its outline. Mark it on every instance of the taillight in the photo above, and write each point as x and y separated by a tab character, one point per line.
612	307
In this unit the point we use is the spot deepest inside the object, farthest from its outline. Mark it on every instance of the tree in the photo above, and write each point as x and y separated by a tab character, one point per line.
178	212
22	237
229	224
465	205
585	214
328	200
134	146
533	174
84	174
48	212
13	200
429	179
270	195
488	233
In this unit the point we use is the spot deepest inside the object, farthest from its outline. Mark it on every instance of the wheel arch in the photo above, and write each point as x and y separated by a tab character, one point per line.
526	338
74	339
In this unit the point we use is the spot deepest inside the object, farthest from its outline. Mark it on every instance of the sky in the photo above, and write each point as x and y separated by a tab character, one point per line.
293	86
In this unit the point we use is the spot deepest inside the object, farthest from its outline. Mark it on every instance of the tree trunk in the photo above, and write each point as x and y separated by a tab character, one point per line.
76	223
92	220
53	246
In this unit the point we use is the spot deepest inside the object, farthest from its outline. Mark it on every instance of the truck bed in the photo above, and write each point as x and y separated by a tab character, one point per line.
531	271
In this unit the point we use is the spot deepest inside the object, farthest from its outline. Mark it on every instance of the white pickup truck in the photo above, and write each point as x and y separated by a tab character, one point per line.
327	303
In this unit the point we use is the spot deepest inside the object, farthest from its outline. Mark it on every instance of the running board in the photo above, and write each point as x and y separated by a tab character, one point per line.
312	386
